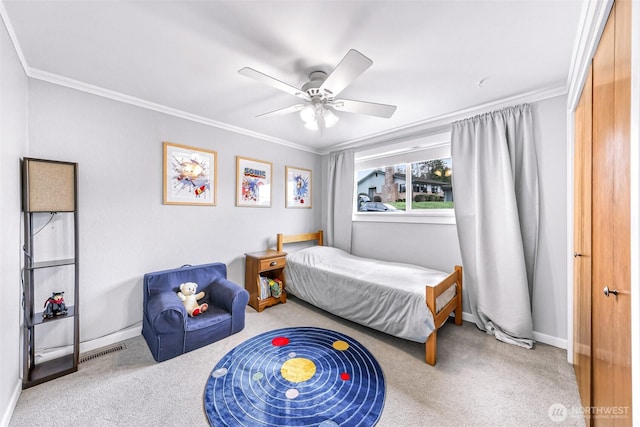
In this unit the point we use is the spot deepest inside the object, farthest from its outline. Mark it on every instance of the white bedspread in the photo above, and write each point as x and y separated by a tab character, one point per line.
386	296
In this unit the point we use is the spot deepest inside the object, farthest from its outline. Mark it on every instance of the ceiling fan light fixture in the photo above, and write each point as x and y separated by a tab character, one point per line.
315	113
308	114
311	125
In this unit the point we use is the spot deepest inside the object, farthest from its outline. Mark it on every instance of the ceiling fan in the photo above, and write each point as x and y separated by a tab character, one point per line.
320	93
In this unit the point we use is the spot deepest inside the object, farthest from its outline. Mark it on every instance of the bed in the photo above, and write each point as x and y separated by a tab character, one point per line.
403	300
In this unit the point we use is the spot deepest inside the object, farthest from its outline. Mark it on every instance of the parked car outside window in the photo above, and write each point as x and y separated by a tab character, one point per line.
362	199
376	207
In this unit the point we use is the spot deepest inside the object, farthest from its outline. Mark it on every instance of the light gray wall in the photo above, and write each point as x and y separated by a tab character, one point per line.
550	288
125	230
436	246
13	145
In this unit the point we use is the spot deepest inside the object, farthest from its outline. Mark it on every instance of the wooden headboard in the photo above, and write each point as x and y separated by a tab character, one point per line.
282	239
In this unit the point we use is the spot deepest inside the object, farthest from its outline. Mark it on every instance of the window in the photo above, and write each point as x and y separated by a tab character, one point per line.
432	184
379	189
384	189
407	182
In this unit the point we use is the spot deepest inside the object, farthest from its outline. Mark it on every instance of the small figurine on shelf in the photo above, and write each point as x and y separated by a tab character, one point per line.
54	306
276	287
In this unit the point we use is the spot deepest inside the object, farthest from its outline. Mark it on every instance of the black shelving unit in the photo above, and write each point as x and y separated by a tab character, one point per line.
48	187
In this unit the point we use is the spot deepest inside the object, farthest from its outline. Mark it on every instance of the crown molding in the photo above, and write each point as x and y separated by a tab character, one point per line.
421	128
442	123
13	37
117	96
592	21
429	126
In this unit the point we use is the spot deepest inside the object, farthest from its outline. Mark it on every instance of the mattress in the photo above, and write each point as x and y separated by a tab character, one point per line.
387	296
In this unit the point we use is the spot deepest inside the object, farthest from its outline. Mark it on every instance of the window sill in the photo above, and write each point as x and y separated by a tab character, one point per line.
434	217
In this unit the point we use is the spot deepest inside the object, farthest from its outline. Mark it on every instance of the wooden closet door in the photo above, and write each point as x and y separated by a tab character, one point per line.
582	243
611	322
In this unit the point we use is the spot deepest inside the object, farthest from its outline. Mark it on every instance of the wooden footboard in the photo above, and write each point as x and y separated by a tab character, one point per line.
432	292
440	317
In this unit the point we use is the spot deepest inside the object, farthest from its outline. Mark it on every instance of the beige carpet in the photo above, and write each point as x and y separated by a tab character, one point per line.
478	380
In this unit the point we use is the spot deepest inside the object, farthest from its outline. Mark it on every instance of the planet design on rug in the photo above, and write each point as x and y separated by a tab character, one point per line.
296	376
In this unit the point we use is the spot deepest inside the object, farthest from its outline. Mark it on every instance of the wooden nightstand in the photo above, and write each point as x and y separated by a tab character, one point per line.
267	263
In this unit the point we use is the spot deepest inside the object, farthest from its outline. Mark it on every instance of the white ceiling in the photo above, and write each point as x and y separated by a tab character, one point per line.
428	56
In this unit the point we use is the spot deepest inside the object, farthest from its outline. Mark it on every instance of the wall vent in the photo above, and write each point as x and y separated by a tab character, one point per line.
102	352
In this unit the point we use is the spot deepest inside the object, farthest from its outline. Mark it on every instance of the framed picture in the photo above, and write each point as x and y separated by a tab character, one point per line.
298	187
253	182
189	175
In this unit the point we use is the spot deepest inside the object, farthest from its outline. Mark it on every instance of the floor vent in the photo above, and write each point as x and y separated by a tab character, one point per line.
102	352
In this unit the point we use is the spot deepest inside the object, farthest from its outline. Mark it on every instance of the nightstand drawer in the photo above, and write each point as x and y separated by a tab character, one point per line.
273	263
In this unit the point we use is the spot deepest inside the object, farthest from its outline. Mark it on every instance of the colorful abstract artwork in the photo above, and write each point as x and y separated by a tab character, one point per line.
189	175
298	187
302	376
253	182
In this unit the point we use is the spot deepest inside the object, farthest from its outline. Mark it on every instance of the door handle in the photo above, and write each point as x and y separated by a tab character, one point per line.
576	254
608	291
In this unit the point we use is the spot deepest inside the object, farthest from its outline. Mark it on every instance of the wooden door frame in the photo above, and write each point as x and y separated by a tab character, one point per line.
634	137
592	24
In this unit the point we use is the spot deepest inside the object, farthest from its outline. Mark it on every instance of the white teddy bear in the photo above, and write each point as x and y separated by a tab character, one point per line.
189	298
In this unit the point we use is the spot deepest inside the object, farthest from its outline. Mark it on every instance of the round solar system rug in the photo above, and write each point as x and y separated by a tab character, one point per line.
296	377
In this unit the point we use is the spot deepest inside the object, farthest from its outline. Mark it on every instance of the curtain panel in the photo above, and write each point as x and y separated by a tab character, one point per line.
497	216
340	202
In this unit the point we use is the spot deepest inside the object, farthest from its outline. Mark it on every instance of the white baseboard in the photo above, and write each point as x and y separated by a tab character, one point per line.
548	339
113	338
118	336
538	336
468	317
8	411
124	334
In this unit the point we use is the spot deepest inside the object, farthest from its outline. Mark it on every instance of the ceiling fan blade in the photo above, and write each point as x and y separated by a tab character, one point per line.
263	78
282	111
361	107
352	65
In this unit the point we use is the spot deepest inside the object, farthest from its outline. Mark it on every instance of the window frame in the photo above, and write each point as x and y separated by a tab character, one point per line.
440	146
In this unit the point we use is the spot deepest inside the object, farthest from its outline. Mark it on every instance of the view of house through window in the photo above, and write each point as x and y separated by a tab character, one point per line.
392	189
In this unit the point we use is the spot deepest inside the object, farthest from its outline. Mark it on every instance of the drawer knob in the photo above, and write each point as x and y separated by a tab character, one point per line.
273	263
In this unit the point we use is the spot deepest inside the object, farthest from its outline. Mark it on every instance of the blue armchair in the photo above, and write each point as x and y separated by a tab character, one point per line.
167	328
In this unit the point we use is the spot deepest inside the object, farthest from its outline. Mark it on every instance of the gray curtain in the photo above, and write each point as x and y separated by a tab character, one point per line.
339	203
495	185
